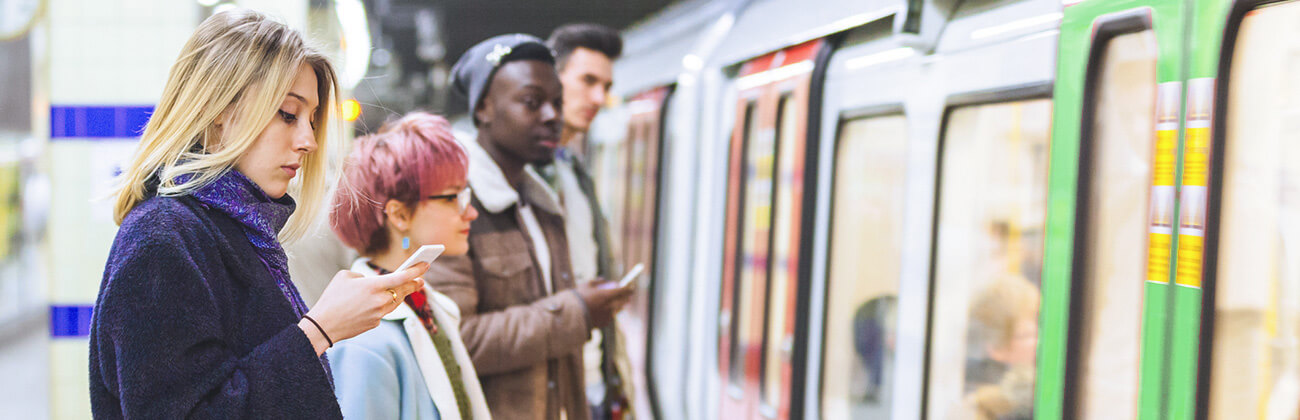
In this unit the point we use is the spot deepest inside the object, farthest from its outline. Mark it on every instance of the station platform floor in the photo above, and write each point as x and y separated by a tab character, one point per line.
25	363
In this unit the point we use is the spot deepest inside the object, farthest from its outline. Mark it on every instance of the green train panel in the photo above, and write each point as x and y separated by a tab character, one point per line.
1198	100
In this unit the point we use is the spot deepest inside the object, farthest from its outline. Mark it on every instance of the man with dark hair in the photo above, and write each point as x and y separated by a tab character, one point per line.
523	318
585	55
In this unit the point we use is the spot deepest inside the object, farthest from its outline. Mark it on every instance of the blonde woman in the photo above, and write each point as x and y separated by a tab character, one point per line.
196	315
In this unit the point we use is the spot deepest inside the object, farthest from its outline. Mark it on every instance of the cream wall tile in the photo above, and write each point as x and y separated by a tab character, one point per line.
69	379
80	224
99	45
101	52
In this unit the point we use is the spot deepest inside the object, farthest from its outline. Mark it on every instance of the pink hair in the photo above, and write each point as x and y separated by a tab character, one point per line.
409	159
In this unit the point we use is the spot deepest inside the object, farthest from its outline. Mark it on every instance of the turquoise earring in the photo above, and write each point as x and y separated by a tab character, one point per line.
406	242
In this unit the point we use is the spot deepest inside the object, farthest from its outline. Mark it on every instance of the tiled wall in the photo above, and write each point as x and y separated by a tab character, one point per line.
115	51
106	56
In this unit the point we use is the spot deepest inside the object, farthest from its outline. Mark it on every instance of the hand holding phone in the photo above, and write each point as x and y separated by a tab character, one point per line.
425	254
627	278
631	275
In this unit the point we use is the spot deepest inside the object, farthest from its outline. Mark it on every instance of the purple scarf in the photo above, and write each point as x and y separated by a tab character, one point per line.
262	218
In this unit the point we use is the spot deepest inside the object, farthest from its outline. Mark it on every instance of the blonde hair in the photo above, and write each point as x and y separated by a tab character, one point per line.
1000	305
237	67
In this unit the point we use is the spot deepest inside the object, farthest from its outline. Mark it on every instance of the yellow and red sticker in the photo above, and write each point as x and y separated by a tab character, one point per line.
1160	223
1196	176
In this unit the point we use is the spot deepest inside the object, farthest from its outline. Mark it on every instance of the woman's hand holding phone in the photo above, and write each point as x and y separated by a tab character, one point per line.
352	304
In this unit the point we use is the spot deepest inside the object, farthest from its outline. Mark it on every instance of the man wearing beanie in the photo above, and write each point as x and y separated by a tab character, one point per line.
523	320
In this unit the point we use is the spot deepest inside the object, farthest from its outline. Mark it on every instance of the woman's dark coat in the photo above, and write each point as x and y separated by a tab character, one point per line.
190	324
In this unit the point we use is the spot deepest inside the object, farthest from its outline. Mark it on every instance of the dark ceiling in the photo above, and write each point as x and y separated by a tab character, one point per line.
421	39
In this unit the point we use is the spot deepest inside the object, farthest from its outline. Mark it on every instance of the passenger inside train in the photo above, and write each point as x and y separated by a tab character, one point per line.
843	209
1000	350
874	341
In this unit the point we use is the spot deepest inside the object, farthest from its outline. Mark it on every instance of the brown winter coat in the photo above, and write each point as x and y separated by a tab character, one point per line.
525	343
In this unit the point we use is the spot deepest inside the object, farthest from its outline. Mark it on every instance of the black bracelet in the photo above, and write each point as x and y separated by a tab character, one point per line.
322	330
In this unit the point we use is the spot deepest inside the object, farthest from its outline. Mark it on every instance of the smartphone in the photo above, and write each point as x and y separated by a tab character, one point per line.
426	253
631	275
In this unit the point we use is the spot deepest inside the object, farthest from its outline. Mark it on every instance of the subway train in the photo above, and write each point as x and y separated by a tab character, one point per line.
988	209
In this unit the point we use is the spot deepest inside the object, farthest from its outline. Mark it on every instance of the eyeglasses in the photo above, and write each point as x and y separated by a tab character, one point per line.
462	199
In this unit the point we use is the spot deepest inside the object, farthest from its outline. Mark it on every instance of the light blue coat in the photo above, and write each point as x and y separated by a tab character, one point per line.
381	374
376	376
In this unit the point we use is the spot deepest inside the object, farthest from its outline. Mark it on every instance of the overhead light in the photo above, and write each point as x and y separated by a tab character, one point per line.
844	24
224	7
779	73
879	58
356	41
1017	25
208	3
692	62
351	109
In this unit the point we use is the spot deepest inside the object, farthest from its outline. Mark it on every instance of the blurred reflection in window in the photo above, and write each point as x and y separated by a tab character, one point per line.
642	191
1255	372
873	345
777	345
756	219
1003	337
992	207
862	285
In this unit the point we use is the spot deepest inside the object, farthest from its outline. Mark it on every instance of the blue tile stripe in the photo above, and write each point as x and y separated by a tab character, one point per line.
98	122
70	320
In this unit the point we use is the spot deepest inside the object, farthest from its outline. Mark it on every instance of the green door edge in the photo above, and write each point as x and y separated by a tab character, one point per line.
1205	36
1072	65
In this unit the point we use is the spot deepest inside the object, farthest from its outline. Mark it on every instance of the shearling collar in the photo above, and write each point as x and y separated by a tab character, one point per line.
491	187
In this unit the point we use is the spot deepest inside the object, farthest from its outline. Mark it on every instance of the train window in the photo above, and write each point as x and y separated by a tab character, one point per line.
865	260
1255	368
756	221
1116	230
777	345
988	261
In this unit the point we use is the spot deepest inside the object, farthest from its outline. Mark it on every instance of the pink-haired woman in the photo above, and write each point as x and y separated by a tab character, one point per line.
401	189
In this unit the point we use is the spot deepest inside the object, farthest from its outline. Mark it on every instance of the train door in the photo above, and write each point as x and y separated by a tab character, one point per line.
1243	362
1109	256
641	160
765	200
